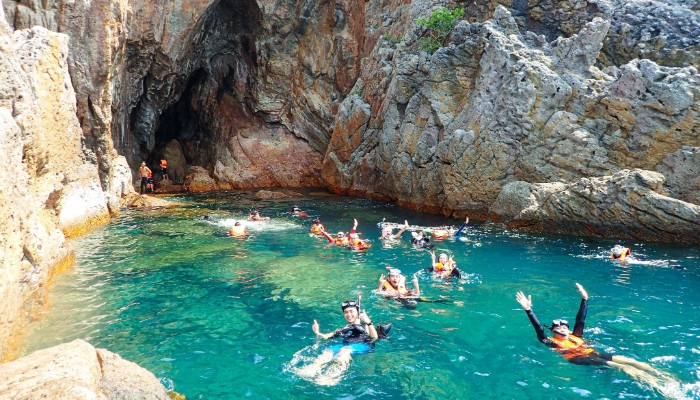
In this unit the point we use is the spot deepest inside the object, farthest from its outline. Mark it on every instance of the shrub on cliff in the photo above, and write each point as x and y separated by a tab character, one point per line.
439	25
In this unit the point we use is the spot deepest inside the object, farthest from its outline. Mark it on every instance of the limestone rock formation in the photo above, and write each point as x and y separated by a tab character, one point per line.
626	204
49	187
76	370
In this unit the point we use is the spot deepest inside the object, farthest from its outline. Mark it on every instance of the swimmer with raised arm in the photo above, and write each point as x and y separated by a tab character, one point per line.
358	337
575	350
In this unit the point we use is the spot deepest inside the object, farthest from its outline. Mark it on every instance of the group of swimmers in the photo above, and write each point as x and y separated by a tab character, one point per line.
359	334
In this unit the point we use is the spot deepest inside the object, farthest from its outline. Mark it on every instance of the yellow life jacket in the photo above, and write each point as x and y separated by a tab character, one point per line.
317	229
626	252
401	290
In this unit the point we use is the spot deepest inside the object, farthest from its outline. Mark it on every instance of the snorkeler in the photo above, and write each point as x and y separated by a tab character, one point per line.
317	227
444	267
238	230
296	211
575	350
358	337
619	253
255	217
395	285
421	241
388	236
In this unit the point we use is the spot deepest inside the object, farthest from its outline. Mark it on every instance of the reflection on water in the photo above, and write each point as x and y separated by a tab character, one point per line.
220	318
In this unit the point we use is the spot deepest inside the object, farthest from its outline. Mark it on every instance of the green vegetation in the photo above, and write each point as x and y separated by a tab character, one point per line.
393	39
439	26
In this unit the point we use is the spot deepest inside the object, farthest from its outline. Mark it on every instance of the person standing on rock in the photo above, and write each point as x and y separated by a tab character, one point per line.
144	171
164	168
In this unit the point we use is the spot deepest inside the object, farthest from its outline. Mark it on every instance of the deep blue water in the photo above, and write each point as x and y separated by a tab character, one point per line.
221	318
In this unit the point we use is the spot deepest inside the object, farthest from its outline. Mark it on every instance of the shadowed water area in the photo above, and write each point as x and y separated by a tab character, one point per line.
221	318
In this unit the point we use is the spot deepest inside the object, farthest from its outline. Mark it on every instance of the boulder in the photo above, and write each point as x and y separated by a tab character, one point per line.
197	179
628	204
74	371
135	200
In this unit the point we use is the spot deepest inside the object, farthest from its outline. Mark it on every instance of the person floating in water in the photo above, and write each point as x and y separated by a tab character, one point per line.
358	337
255	217
351	240
317	227
444	267
296	211
238	230
395	285
619	253
390	237
575	350
421	241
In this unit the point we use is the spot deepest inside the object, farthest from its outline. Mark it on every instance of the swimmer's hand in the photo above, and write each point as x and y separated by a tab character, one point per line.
584	294
525	302
315	328
382	279
364	318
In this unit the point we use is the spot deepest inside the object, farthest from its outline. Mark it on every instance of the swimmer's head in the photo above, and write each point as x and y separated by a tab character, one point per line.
386	231
316	221
237	223
617	250
442	258
560	327
341	234
349	304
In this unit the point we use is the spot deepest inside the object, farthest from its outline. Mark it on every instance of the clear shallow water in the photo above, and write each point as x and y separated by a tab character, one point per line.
222	318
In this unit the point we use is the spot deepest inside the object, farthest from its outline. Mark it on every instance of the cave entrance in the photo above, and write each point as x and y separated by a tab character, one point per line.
217	89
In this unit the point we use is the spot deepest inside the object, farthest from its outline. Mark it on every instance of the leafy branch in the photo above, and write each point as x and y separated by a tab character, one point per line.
439	25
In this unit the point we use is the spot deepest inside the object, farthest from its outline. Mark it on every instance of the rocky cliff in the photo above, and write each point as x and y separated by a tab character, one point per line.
242	94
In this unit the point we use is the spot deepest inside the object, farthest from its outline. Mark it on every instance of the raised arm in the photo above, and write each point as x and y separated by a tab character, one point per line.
327	236
526	304
461	228
401	231
382	279
582	310
370	326
315	329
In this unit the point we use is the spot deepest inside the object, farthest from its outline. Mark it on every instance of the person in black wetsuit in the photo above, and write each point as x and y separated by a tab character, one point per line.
358	337
572	346
418	240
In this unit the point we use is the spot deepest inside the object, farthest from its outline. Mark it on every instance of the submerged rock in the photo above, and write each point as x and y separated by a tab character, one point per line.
628	204
76	370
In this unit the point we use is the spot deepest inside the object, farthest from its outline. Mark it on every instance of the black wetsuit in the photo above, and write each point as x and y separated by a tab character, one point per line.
423	242
353	333
587	356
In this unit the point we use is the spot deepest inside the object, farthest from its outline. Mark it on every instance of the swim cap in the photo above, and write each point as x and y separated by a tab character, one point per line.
617	250
394	271
341	234
442	254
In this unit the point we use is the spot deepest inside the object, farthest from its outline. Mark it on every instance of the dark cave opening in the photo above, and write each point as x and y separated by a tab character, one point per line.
226	60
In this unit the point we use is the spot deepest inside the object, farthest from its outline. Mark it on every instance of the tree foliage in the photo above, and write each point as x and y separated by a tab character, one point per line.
439	25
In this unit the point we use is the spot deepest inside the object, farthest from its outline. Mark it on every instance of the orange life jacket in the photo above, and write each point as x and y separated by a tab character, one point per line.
571	347
342	241
164	163
626	252
440	234
237	231
443	269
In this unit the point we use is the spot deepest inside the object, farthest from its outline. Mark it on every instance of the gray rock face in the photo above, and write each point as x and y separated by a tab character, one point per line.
76	370
626	204
445	134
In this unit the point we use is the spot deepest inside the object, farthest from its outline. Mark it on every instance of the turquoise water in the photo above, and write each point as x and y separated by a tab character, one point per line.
221	318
